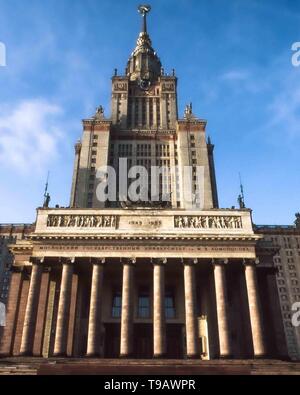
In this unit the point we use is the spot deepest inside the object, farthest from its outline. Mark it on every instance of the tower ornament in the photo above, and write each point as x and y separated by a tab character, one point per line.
99	113
144	9
297	222
188	112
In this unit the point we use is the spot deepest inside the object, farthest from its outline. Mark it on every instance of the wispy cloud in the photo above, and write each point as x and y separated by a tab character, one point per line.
235	75
29	135
284	110
248	80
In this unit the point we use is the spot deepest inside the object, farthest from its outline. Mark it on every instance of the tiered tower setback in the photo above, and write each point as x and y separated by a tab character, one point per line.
145	128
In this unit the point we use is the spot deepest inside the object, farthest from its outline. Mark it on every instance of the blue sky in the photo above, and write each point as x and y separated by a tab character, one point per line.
233	61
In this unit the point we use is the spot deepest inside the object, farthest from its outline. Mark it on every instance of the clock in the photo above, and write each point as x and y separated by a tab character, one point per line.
145	84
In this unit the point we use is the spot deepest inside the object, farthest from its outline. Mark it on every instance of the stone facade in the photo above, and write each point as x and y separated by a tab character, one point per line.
287	263
145	130
9	234
182	280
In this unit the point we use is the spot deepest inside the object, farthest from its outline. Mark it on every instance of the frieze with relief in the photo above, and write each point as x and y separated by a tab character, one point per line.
82	221
208	222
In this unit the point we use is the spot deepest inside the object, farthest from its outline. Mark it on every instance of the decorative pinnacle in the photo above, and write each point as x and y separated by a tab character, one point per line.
143	10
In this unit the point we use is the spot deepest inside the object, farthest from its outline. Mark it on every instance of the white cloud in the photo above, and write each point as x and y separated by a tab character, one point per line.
244	80
29	135
235	75
285	110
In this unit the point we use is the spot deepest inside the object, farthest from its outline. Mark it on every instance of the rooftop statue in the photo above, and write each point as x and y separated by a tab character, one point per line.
297	222
99	113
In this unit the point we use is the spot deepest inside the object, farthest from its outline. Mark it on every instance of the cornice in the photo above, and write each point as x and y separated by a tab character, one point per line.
212	238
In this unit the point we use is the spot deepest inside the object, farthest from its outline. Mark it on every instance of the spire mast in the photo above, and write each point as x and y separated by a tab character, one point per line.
143	10
241	198
46	193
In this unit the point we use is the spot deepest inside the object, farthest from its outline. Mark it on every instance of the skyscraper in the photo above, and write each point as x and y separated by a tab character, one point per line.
144	129
132	276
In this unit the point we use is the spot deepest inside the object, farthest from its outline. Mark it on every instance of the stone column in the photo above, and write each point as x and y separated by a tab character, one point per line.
126	347
31	307
94	331
190	308
254	309
12	309
62	324
159	320
222	308
41	313
18	330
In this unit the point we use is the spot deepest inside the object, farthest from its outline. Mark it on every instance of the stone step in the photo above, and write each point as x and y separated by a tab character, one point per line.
32	366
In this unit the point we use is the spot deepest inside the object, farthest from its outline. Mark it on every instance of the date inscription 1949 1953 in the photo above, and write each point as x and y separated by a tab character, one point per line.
154	223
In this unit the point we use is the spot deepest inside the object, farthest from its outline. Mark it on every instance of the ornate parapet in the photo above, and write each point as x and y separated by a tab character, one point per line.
82	221
146	222
208	222
147	232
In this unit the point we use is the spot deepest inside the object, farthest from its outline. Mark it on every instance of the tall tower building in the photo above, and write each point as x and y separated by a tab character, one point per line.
145	130
127	276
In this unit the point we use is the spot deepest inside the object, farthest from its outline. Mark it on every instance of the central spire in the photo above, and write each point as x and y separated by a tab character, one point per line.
144	63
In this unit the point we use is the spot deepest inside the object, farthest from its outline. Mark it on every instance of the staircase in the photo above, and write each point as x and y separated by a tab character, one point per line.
64	366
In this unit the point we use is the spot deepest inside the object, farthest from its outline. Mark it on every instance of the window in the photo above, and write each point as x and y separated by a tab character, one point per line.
169	305
117	305
144	305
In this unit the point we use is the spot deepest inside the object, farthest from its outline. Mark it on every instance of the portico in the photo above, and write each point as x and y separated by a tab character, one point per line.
140	291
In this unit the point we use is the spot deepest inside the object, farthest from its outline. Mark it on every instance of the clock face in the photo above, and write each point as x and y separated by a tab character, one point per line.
145	84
